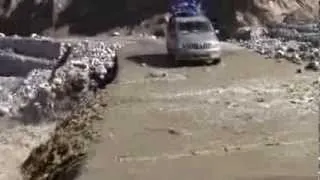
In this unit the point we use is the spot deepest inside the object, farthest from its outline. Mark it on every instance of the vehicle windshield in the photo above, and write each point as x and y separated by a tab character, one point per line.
195	26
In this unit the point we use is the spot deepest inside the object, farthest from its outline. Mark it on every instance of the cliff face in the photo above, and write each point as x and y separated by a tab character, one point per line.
267	11
93	16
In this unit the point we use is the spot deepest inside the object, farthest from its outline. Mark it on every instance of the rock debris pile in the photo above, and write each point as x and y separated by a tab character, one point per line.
89	66
42	80
73	74
298	43
66	151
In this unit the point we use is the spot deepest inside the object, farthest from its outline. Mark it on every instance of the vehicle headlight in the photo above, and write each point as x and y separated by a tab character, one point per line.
214	45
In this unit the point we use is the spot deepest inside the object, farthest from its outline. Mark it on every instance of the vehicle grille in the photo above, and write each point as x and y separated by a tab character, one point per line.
197	46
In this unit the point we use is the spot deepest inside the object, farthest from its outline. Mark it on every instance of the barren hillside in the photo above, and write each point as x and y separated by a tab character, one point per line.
92	17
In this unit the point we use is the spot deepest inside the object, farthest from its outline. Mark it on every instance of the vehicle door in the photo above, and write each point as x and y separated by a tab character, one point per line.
171	39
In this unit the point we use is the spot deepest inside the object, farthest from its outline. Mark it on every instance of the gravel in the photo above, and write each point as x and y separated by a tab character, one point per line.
298	43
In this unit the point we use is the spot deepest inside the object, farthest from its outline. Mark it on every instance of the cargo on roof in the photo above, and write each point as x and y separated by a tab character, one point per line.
185	7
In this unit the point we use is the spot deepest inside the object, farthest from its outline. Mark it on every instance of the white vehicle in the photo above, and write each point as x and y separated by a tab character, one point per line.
192	38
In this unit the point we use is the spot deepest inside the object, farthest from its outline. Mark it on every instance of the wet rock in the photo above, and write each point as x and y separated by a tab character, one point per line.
157	74
225	149
271	141
272	144
194	153
173	131
153	37
4	110
260	99
299	71
80	64
314	65
115	34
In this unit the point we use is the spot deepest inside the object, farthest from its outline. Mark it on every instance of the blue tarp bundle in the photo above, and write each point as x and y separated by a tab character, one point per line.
185	7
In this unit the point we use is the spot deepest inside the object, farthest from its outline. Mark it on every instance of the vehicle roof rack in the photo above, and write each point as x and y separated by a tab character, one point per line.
185	8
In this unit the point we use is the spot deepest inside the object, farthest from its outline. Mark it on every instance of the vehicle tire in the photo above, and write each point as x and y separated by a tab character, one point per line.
213	61
172	59
175	62
216	61
209	62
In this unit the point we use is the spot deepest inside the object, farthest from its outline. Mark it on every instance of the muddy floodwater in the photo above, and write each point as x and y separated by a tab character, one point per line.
246	118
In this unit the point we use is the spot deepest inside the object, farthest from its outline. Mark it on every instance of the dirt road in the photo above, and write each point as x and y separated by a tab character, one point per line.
247	118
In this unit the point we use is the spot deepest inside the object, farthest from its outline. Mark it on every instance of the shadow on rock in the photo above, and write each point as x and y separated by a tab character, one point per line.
28	17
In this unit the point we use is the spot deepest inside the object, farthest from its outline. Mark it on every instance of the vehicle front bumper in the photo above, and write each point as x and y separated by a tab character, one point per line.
198	55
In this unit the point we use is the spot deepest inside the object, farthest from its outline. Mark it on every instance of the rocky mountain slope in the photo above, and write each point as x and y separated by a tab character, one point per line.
91	17
266	11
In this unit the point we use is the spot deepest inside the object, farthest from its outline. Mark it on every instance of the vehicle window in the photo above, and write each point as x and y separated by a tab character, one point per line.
195	26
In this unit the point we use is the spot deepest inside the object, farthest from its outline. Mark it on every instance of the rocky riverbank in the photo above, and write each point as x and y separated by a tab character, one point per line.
50	88
298	43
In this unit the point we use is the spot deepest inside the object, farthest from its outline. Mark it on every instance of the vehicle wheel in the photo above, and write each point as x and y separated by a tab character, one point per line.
175	62
216	61
172	59
213	61
208	62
